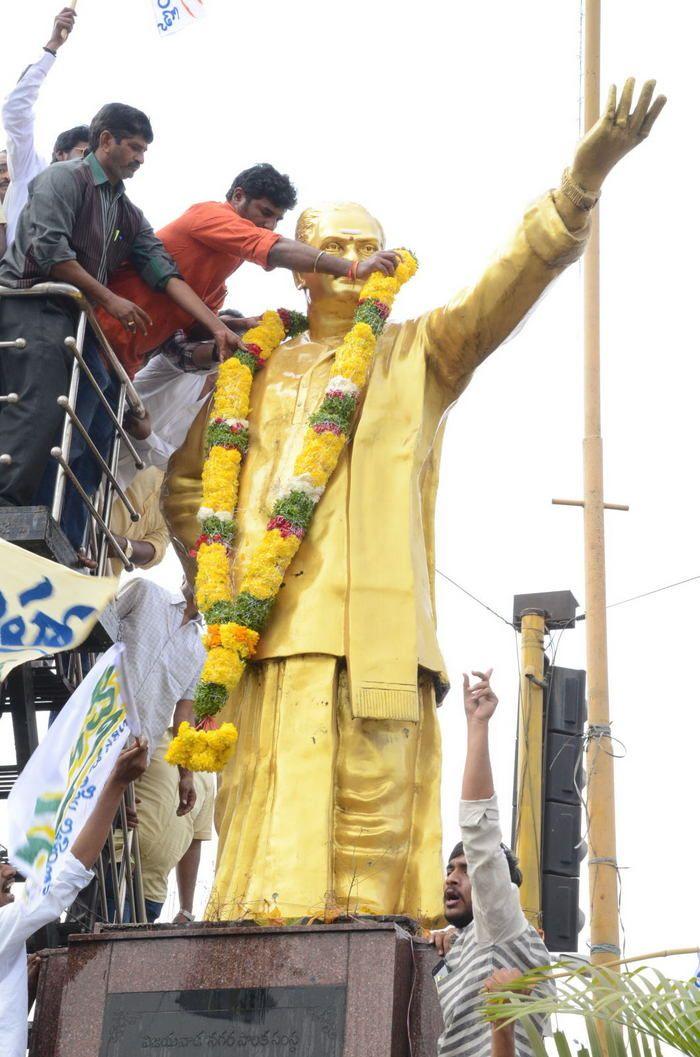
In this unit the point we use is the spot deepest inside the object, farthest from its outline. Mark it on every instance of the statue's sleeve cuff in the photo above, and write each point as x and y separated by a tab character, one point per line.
549	237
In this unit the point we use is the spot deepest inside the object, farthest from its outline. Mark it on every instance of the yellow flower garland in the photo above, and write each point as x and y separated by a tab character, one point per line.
235	624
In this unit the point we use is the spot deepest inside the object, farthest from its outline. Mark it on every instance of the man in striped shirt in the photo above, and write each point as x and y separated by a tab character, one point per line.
489	930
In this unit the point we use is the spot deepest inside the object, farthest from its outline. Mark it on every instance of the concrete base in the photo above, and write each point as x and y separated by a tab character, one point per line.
351	990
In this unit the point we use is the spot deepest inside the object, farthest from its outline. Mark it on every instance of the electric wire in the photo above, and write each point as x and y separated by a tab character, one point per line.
654	591
474	598
581	616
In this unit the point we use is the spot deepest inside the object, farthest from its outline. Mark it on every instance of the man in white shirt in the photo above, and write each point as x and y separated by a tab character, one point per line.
23	159
163	657
490	931
18	921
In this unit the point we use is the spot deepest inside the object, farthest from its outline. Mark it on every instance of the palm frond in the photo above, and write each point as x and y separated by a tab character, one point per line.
635	1010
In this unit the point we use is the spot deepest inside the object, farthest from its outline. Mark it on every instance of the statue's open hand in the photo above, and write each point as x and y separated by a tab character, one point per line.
618	131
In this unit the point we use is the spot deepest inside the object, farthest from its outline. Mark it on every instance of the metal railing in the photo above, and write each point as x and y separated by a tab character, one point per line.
99	537
125	871
118	880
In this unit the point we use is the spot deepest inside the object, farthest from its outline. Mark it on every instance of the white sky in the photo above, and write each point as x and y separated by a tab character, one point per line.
447	120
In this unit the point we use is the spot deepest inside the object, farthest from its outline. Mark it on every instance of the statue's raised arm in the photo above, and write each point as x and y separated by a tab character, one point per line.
553	234
340	699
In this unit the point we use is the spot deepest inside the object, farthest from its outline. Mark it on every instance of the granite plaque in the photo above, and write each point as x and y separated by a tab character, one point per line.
265	1021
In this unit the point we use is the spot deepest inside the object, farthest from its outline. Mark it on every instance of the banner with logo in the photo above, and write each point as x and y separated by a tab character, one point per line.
174	15
44	607
57	790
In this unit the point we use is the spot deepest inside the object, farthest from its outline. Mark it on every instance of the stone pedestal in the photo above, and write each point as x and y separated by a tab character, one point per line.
354	990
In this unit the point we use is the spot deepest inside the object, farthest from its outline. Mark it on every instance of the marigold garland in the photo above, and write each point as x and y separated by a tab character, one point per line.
235	623
229	643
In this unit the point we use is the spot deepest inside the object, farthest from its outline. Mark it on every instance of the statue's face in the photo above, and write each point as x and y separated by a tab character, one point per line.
347	231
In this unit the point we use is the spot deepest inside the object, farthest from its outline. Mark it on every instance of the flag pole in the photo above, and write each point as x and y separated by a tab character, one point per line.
64	33
602	861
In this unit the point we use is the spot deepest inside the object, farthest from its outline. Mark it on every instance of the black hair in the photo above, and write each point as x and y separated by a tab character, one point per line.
198	332
121	120
263	181
69	139
516	874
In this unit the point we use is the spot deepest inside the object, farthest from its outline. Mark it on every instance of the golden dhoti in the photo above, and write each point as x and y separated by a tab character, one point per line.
316	808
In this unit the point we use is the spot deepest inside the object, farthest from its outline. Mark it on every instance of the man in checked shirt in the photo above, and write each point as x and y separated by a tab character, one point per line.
490	935
78	227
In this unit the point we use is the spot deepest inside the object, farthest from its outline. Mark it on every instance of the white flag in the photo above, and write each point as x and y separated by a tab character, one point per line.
173	15
57	790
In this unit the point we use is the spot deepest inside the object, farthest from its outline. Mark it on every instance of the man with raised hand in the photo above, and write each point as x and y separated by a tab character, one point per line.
491	933
24	161
18	921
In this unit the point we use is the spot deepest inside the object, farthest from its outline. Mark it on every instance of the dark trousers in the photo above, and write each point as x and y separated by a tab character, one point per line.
92	414
153	908
39	374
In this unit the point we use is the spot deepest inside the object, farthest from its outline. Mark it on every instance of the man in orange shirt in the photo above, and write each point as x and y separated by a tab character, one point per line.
209	242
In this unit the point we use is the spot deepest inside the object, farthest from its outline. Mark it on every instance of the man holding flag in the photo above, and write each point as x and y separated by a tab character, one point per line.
18	118
22	918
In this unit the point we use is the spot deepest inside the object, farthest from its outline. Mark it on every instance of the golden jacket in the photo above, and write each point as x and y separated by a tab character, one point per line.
362	583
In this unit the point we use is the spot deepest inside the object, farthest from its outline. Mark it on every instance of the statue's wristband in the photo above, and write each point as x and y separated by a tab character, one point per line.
582	199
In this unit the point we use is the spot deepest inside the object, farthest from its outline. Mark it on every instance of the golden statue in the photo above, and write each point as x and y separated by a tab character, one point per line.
333	793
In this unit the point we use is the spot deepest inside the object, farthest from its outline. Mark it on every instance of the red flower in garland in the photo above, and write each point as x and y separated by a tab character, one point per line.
286	528
256	352
327	427
215	537
379	306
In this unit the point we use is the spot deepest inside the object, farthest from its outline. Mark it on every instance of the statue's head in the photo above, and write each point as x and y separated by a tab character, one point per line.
344	229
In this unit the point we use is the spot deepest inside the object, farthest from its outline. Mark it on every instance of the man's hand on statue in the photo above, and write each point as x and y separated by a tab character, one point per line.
186	793
479	699
386	261
618	131
443	939
239	324
64	22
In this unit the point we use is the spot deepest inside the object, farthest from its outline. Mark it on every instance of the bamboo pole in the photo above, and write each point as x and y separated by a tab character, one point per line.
603	877
530	740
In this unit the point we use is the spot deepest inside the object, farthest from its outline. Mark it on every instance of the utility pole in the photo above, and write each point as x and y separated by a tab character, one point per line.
602	861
